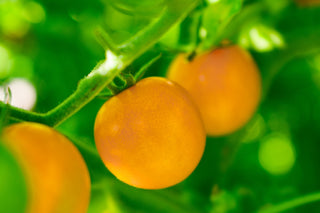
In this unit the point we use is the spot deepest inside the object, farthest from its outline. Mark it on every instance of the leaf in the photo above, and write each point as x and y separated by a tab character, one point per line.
214	20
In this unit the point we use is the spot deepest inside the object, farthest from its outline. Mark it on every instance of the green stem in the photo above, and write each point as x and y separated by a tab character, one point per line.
101	76
170	16
292	203
18	114
138	75
105	41
88	89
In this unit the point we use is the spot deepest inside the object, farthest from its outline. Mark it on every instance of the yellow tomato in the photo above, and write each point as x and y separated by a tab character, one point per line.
150	135
225	84
57	177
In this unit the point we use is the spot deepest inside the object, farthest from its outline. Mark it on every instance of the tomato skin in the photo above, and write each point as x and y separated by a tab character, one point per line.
150	135
57	177
225	84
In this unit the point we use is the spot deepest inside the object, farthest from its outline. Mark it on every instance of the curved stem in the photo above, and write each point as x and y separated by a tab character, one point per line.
88	89
117	60
292	203
157	28
138	75
105	40
18	114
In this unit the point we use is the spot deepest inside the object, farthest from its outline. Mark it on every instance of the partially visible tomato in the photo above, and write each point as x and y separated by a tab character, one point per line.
150	135
308	3
13	192
225	84
57	177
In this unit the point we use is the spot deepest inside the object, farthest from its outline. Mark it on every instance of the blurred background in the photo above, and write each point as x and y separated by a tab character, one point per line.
47	46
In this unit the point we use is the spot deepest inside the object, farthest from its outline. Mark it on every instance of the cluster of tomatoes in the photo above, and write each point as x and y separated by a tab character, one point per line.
151	135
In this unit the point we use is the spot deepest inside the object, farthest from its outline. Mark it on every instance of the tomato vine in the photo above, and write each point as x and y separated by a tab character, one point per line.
204	29
117	59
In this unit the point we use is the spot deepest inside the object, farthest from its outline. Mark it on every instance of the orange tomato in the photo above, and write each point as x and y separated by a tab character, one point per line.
57	177
225	84
150	135
308	3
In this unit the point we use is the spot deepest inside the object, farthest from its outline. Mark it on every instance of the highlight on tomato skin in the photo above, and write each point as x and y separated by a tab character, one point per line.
151	135
56	175
225	84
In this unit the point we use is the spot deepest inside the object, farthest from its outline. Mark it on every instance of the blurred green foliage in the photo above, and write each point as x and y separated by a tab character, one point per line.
274	158
13	193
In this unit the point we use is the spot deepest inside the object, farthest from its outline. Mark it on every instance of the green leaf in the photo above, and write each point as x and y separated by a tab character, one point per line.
261	38
140	8
214	20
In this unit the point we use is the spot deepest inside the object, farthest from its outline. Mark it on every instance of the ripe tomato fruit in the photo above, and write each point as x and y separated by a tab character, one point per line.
308	3
13	192
56	174
225	84
150	135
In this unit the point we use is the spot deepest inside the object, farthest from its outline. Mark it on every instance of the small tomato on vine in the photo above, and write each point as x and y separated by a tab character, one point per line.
56	174
224	83
150	135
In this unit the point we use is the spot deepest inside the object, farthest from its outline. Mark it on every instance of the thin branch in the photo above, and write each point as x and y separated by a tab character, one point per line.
88	89
21	114
158	27
118	58
292	203
105	41
138	75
